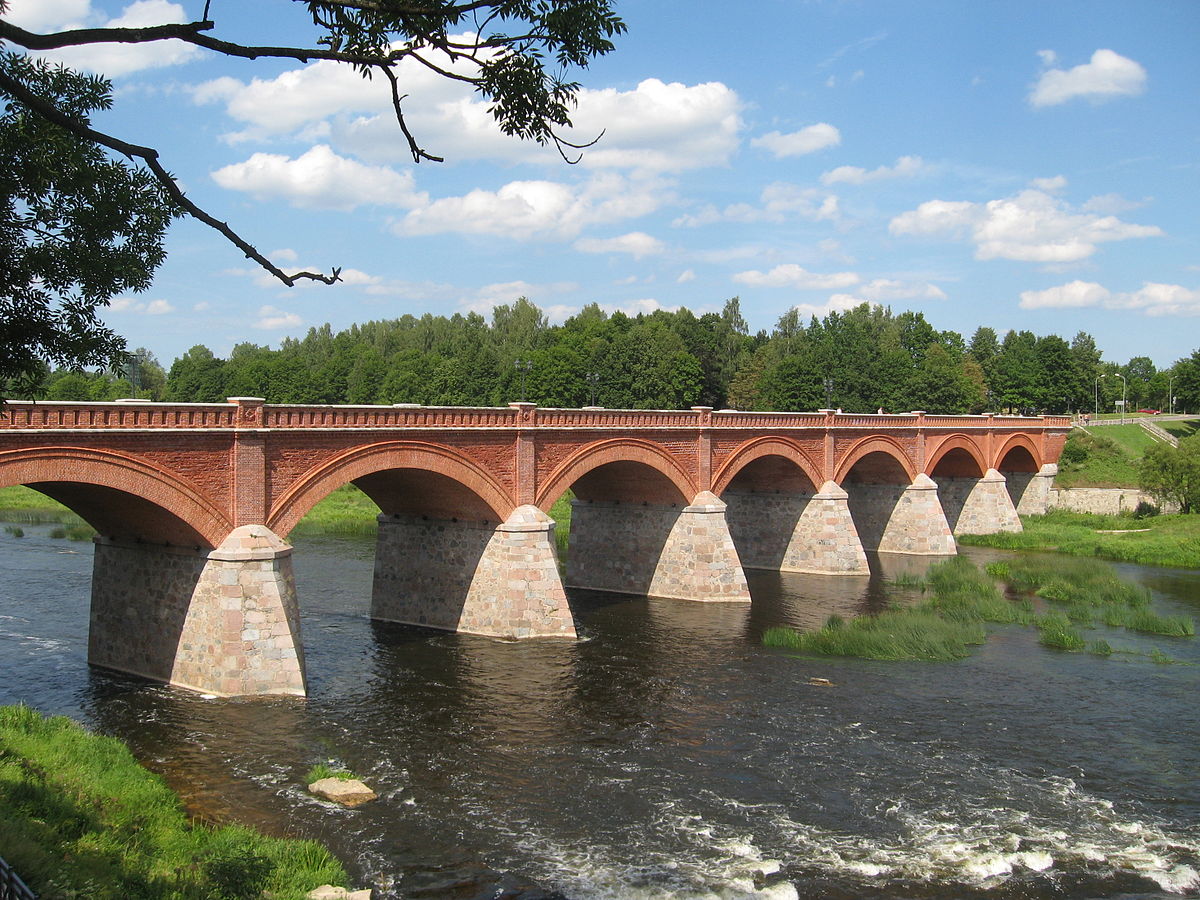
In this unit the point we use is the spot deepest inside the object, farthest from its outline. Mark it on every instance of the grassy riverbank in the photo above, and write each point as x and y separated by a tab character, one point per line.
83	819
1073	595
1151	541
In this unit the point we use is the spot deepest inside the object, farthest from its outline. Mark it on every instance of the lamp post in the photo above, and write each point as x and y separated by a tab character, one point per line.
592	378
1096	401
829	393
1171	394
523	366
1124	385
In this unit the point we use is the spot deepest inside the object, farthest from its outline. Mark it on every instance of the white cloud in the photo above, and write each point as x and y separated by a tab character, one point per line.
794	276
1153	299
1032	226
778	202
272	319
320	179
905	167
656	127
637	244
526	210
1108	75
685	276
1050	185
48	15
140	307
882	290
115	60
836	303
797	143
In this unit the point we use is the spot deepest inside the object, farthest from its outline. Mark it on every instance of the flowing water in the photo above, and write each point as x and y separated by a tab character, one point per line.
667	754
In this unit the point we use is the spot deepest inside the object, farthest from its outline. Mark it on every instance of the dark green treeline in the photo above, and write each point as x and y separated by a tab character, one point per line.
860	360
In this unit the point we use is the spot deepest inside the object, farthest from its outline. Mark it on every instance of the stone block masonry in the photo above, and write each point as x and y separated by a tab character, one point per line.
223	622
654	550
897	518
474	577
978	505
811	533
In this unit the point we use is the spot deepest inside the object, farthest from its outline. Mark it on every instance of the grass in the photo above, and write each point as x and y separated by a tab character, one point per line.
964	599
1180	428
1154	541
83	819
1105	457
322	771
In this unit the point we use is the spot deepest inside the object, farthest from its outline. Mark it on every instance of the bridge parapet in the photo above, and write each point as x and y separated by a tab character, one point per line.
24	414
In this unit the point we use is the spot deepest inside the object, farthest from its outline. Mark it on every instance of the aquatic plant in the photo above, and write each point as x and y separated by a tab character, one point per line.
1100	648
14	530
892	634
323	770
1055	631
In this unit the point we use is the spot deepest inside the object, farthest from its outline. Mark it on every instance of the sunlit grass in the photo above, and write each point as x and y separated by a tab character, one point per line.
893	635
1168	540
83	819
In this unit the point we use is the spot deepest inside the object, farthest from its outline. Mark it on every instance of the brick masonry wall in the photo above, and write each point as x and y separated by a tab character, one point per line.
1103	501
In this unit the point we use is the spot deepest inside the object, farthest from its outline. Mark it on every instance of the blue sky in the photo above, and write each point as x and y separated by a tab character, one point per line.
1018	164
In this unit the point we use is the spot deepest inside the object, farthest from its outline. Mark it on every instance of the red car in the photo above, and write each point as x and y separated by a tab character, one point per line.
1149	412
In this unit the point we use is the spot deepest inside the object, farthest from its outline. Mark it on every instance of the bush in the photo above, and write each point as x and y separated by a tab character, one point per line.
1145	510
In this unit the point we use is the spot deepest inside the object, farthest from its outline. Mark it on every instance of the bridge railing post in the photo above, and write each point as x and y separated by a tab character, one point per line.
526	450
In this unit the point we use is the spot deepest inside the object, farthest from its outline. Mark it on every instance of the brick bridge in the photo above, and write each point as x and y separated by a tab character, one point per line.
192	580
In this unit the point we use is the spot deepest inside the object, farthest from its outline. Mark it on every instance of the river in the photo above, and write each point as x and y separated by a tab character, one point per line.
667	754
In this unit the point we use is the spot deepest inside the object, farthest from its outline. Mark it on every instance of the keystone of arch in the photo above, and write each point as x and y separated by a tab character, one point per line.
346	467
757	448
957	442
1018	440
593	456
104	468
875	444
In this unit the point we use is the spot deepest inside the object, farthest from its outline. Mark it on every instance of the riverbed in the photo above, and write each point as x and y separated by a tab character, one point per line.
667	754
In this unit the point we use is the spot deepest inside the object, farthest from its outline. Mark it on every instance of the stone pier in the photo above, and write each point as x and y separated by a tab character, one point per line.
223	621
1030	492
978	505
661	551
789	532
474	577
896	518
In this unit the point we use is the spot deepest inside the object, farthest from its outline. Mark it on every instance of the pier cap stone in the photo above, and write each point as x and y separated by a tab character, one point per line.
527	518
705	502
249	542
923	483
831	490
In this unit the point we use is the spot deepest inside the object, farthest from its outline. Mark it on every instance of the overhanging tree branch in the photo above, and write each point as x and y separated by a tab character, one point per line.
149	156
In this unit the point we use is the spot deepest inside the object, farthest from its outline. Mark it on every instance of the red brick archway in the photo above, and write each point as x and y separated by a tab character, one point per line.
758	449
366	461
117	493
1018	441
957	442
616	450
876	444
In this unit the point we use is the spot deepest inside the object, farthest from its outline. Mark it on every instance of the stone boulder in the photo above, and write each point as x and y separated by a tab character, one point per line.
348	792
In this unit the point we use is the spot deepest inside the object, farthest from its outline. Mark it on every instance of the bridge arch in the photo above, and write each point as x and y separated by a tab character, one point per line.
959	457
456	485
625	456
881	444
762	449
118	495
1019	453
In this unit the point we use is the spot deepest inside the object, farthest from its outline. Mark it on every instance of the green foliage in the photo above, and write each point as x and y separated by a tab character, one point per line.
78	227
1172	474
893	635
1104	457
14	530
83	819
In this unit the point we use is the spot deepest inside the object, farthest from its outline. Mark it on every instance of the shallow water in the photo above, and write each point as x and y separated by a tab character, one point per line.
668	754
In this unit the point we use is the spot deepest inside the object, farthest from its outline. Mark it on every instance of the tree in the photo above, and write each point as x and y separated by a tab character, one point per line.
1172	474
84	227
76	228
1186	387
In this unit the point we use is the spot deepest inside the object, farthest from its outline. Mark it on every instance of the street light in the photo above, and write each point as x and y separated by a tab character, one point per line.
1096	401
593	378
523	366
829	393
1170	394
1124	384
